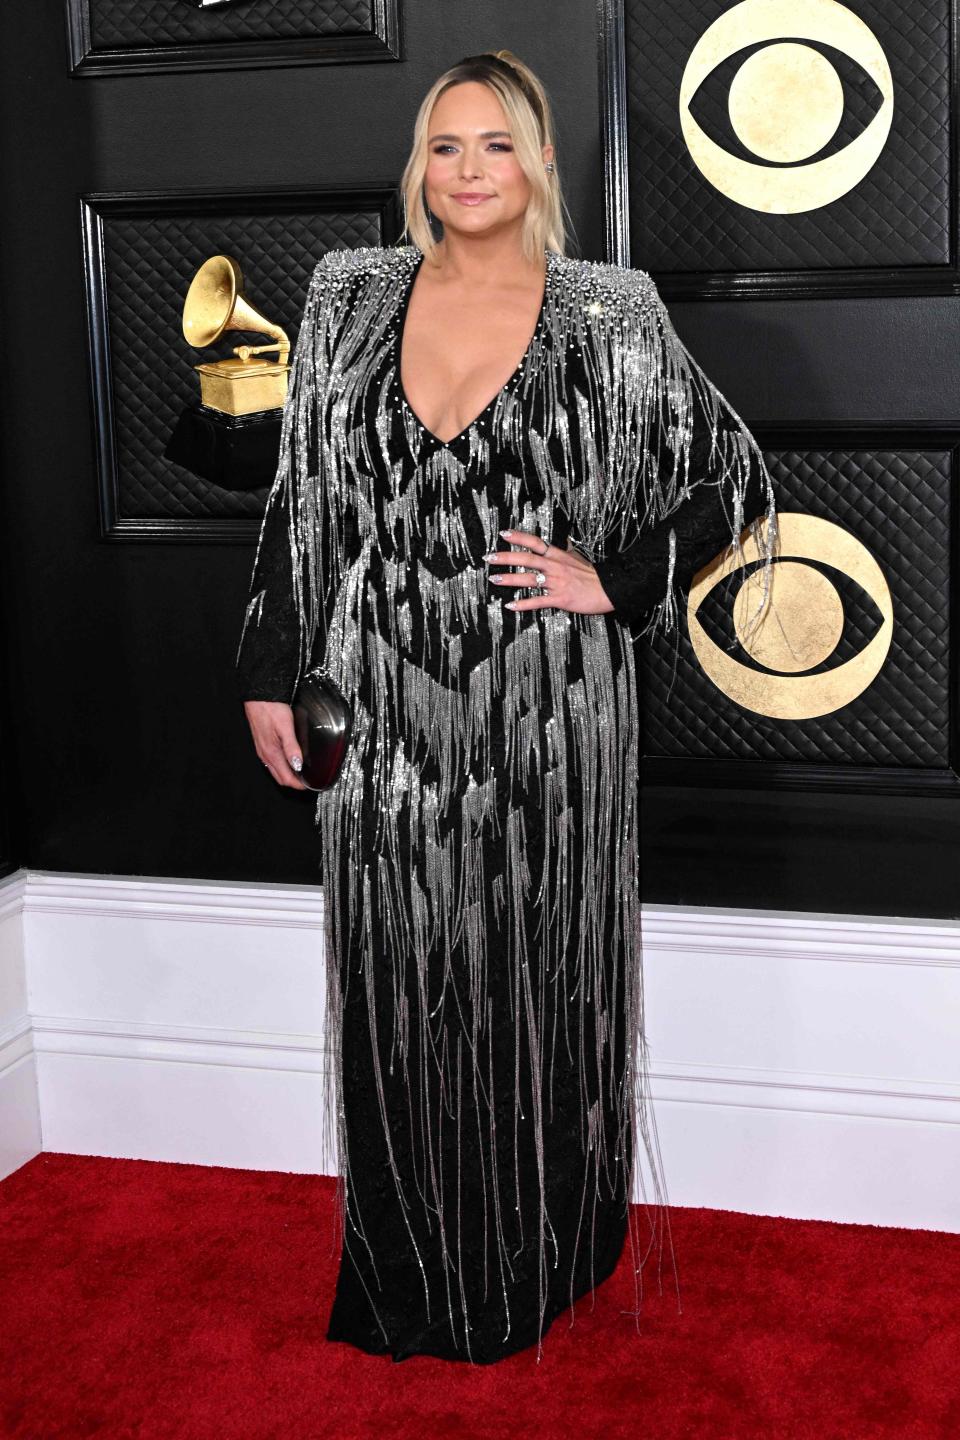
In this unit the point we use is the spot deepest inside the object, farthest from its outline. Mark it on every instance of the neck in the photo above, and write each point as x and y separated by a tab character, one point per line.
473	259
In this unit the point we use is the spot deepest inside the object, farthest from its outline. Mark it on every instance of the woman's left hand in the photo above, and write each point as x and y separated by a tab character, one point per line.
569	577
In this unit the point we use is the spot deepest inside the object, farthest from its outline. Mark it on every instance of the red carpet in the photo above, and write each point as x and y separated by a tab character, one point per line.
156	1300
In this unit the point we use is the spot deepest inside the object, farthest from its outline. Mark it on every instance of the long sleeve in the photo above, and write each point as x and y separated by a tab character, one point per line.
696	478
280	621
634	579
267	666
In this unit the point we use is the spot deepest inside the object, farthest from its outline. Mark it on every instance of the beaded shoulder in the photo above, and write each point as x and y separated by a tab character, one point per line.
594	285
591	275
354	259
615	287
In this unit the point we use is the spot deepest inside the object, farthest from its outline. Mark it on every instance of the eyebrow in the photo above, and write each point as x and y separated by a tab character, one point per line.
484	135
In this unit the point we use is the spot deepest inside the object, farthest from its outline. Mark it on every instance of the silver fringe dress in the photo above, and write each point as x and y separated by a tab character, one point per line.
488	1099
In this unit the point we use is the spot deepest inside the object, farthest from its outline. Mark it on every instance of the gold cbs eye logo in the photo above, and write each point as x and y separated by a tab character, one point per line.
786	103
801	626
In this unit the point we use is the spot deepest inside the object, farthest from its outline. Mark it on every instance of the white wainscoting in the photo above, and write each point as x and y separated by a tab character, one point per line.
802	1065
20	1133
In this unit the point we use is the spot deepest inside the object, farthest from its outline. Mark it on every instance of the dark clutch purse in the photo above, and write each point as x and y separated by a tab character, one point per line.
323	720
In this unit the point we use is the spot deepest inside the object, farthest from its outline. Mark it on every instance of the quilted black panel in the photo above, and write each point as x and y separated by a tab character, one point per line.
898	505
898	214
130	24
150	261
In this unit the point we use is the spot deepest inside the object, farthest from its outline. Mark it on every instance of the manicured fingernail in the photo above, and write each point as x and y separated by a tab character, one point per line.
296	763
496	579
491	555
511	605
506	534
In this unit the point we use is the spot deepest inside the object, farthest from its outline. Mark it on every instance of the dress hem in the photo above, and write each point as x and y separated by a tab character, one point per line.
402	1351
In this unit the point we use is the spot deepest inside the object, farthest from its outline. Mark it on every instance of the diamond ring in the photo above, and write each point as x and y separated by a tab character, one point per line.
540	578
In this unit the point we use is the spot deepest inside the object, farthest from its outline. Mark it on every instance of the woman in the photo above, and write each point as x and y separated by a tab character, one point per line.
471	542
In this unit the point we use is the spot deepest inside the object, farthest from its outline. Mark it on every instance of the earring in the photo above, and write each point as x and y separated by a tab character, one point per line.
549	167
432	220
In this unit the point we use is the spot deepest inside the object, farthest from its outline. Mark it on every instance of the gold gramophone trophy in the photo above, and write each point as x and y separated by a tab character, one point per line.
216	303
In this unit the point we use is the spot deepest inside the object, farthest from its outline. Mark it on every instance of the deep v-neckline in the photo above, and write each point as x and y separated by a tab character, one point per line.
400	326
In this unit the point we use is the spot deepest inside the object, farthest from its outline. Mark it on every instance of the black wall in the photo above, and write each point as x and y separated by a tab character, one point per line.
816	364
124	750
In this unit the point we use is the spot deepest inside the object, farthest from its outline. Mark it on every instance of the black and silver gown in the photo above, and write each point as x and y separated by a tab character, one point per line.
487	1097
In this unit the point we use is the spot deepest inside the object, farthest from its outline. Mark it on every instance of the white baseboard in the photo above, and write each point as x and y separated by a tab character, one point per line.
802	1065
20	1135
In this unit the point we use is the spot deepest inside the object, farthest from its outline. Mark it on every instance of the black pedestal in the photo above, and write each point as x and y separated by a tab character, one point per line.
237	452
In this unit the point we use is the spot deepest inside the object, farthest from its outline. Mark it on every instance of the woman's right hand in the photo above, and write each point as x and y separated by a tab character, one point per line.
275	740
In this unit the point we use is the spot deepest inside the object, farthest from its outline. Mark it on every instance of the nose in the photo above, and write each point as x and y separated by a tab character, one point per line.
469	167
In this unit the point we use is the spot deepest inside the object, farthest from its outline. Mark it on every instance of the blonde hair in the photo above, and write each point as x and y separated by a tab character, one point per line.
527	109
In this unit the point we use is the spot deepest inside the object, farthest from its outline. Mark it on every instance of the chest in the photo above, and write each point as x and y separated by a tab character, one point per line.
530	450
455	354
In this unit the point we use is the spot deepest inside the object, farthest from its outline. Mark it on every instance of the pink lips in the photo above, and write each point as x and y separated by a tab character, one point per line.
469	198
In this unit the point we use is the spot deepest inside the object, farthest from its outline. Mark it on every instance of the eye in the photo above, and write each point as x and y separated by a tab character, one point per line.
826	632
804	109
840	617
494	144
786	103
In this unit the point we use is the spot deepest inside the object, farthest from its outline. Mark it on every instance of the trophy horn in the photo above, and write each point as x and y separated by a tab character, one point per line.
215	302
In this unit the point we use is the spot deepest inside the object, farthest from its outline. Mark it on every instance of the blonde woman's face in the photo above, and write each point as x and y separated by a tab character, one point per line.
473	181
